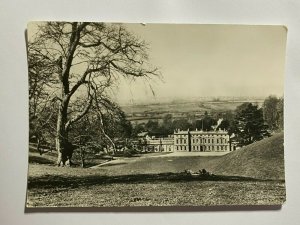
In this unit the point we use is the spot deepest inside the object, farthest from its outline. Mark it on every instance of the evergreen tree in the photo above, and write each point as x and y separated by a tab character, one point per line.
250	126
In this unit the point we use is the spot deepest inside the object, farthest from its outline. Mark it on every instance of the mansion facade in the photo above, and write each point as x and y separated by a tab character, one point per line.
201	141
191	141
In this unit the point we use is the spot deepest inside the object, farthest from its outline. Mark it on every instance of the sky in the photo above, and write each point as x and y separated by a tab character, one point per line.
209	60
199	61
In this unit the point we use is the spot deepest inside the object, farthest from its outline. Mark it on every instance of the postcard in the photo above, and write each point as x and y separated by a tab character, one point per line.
124	114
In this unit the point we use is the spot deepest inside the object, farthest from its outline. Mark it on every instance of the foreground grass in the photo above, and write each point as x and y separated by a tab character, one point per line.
50	186
159	181
162	193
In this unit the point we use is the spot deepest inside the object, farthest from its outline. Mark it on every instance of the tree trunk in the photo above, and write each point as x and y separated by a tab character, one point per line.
38	146
82	157
64	150
63	146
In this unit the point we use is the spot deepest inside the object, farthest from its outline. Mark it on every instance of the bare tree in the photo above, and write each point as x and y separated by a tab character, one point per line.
41	113
97	132
86	59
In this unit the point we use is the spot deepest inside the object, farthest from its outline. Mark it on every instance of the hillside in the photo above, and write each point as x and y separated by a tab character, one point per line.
48	158
263	160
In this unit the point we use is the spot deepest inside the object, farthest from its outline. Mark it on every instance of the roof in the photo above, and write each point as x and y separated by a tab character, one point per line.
200	132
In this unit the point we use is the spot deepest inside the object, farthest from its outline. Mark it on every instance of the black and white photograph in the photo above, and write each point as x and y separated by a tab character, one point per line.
155	114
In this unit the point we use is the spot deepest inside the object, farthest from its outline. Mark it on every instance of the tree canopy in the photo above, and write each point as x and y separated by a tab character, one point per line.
75	66
249	124
273	112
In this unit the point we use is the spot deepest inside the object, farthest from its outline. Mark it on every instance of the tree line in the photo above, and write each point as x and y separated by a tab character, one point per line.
246	124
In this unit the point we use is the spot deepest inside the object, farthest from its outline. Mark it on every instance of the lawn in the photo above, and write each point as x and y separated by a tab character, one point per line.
50	186
250	176
161	193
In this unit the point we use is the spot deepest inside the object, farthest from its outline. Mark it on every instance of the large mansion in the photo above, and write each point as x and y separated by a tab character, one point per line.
191	141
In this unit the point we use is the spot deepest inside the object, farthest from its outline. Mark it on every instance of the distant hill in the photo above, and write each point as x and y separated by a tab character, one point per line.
263	160
142	113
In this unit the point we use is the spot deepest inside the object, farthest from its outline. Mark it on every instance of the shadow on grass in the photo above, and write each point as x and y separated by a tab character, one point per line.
63	181
40	160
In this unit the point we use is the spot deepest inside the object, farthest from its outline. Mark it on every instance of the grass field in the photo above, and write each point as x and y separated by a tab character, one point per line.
141	113
244	177
50	186
156	193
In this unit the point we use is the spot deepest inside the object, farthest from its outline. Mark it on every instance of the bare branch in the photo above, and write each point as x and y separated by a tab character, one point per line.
80	115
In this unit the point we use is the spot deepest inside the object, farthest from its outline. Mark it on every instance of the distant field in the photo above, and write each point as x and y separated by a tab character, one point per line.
143	112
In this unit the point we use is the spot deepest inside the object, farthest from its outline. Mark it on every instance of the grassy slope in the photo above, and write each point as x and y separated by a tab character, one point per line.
119	184
48	158
262	160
